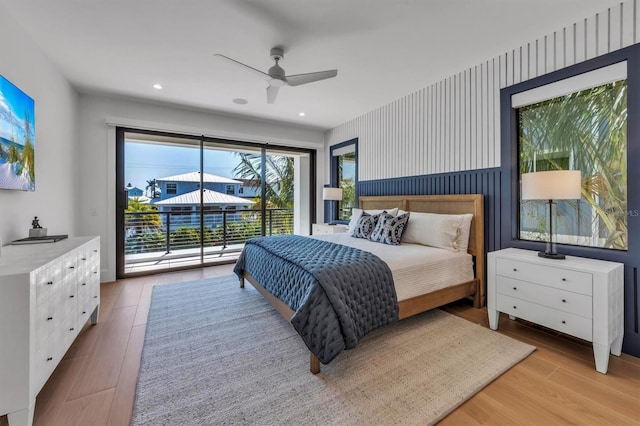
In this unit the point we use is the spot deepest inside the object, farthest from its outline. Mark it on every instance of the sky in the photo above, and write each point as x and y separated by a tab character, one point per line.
145	161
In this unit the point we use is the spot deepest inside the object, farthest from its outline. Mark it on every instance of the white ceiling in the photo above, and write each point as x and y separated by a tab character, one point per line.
383	49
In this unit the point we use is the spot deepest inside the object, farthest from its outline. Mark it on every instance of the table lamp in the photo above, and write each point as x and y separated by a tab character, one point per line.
552	185
331	194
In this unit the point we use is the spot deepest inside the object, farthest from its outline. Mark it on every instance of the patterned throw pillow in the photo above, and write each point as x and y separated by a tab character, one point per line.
365	225
389	229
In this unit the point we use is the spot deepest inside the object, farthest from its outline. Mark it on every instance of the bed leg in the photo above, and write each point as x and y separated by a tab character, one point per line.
477	300
242	282
314	364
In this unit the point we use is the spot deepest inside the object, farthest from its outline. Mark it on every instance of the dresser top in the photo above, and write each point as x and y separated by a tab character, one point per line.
25	258
571	262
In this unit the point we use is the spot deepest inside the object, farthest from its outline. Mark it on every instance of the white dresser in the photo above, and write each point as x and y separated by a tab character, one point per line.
48	292
576	296
324	228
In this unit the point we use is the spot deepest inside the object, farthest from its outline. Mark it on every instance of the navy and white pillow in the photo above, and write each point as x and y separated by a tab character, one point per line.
389	229
365	225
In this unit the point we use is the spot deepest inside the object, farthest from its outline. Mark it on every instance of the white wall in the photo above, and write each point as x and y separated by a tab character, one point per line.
454	124
97	120
56	156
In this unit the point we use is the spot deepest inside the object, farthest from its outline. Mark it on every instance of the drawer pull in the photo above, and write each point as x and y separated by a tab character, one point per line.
72	267
95	297
564	322
50	359
95	272
84	258
71	297
515	307
95	251
49	318
564	300
49	282
564	279
84	283
515	270
71	329
515	288
84	312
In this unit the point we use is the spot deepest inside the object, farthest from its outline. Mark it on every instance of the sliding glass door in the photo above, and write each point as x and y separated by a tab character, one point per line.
189	201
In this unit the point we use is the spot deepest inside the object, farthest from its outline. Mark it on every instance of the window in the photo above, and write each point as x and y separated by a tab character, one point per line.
231	190
241	190
344	175
584	128
172	189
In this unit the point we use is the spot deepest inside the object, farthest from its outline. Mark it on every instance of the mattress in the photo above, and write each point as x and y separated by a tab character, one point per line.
416	269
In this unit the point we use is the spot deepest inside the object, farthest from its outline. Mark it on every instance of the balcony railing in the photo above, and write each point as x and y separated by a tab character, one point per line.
154	235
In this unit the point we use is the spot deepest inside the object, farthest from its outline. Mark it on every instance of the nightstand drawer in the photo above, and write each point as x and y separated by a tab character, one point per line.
562	300
566	279
552	318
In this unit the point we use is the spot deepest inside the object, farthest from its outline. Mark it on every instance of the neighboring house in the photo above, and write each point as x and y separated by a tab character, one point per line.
134	191
184	208
247	190
172	186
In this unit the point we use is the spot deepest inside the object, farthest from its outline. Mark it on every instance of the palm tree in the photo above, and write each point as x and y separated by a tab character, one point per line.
279	179
152	188
588	128
142	219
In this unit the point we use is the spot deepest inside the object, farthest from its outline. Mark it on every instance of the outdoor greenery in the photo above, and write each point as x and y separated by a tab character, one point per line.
348	185
584	131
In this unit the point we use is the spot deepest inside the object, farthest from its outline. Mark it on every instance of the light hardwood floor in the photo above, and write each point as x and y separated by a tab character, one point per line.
95	382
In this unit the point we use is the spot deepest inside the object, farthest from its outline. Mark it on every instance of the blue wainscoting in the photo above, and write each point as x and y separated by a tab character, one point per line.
489	183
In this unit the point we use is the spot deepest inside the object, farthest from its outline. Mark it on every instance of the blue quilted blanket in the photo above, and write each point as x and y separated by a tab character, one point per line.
338	293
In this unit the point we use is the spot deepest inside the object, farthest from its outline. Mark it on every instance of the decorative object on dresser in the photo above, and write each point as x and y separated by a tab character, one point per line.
331	195
325	228
551	185
580	297
36	229
47	294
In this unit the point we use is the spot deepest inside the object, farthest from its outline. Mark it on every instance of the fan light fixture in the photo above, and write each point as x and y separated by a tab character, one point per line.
276	76
552	185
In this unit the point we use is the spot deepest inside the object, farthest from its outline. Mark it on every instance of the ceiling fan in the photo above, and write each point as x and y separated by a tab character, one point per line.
276	76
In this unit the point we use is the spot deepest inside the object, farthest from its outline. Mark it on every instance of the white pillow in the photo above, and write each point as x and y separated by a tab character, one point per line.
356	213
435	230
465	230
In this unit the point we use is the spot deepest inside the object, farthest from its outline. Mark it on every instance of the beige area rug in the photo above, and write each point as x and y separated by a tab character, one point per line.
217	354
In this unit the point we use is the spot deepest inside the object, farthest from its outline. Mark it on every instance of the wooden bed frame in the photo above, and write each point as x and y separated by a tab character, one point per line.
445	204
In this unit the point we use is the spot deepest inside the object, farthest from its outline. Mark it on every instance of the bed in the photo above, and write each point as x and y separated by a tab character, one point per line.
414	294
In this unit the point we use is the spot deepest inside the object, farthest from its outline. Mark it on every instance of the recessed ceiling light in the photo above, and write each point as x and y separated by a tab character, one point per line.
157	86
240	101
302	114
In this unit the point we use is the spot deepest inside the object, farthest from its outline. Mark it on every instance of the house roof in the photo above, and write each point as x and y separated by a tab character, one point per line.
195	177
210	198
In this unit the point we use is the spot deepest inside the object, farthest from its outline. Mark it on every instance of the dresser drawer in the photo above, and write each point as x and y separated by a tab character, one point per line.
565	279
562	300
552	318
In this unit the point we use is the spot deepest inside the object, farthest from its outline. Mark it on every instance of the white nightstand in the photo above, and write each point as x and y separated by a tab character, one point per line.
324	228
576	296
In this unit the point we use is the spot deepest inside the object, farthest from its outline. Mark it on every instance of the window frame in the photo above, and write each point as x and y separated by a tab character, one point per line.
509	154
333	180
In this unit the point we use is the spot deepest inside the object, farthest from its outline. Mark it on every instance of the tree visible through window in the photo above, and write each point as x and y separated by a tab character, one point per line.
586	131
347	181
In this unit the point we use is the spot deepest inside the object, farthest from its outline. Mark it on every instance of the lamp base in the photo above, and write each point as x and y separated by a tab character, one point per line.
548	255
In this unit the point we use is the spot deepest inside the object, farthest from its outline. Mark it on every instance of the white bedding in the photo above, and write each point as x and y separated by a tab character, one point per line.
416	269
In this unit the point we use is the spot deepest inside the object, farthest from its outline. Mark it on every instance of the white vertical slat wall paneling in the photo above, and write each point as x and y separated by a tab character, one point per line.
581	40
453	124
591	42
472	119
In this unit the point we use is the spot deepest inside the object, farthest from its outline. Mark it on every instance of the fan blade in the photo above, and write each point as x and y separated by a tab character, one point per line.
298	79
272	92
247	67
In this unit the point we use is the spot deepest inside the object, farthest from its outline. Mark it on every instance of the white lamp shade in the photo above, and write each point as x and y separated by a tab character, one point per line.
332	194
552	185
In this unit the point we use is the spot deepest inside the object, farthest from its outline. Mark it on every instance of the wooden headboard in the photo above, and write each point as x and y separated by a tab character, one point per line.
445	204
